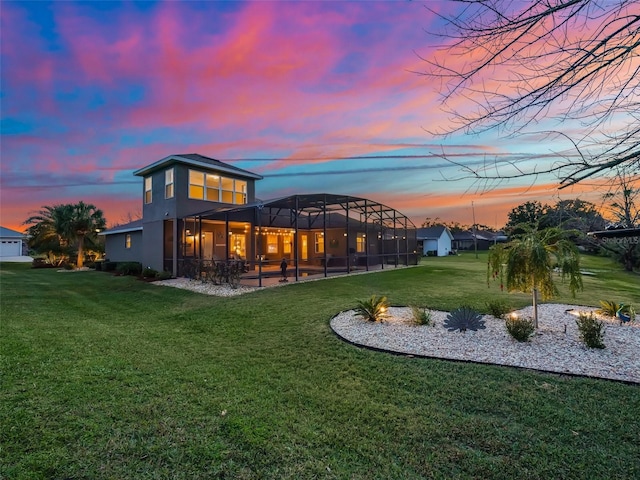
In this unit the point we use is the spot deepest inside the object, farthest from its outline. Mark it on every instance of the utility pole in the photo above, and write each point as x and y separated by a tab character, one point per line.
475	234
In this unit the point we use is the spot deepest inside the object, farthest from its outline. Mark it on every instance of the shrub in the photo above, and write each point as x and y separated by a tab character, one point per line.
42	263
520	328
498	308
109	266
421	316
608	308
164	275
149	273
463	319
129	268
373	309
591	330
68	266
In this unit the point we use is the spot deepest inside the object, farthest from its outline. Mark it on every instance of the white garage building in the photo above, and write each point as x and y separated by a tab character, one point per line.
11	243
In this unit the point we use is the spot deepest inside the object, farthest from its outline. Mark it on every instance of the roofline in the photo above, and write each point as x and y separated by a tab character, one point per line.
616	233
179	159
19	235
113	231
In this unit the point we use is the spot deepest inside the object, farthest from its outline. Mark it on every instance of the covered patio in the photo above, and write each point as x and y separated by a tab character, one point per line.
317	234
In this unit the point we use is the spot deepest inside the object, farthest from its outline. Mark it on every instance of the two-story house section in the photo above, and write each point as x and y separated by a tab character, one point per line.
176	187
197	209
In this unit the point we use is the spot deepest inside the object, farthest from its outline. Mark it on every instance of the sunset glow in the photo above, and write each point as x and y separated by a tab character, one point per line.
314	96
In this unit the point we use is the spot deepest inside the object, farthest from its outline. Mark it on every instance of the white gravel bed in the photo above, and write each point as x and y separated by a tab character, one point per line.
206	288
551	348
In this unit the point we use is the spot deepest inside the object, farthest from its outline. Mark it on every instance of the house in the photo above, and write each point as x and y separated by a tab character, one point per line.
198	209
12	243
434	241
480	239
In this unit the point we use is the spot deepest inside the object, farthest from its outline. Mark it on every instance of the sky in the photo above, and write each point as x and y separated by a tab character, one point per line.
317	97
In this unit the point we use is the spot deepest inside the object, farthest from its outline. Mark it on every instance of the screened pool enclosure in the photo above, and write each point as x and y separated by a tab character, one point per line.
317	234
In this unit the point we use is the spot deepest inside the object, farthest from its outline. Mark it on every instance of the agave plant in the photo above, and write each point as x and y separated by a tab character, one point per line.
463	319
373	309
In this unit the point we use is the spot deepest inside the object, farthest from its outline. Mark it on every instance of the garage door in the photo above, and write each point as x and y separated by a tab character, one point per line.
10	248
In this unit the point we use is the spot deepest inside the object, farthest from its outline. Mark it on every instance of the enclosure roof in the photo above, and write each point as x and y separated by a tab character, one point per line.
319	202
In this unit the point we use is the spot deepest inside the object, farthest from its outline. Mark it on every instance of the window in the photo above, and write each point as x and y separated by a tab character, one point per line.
319	243
127	241
214	188
227	190
168	183
196	185
288	242
361	244
241	192
147	189
272	243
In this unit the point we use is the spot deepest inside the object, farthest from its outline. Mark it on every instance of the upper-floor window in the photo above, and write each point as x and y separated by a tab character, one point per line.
147	189
127	241
168	183
214	188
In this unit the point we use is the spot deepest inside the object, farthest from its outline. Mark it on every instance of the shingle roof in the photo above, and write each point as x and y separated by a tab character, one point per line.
195	159
430	232
7	232
127	227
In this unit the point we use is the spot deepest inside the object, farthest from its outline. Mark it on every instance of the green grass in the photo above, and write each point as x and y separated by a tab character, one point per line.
106	377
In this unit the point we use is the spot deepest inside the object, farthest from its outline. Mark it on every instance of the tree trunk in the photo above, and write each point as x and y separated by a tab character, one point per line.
80	262
535	307
627	258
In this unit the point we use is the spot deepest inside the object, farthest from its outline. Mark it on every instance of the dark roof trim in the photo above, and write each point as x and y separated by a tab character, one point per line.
196	160
616	233
134	226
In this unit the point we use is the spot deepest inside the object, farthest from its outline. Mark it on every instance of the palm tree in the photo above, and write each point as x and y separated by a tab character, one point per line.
58	229
86	220
529	261
48	231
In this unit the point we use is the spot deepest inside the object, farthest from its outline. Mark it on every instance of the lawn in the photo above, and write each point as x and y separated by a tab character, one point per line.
106	377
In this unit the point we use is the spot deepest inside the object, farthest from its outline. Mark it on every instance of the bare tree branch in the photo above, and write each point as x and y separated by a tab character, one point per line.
517	64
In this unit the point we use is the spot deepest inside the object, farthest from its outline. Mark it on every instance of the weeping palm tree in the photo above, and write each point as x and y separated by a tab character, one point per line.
529	262
59	229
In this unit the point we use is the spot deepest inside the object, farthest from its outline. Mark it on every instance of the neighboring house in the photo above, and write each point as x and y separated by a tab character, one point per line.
435	241
12	243
196	208
467	239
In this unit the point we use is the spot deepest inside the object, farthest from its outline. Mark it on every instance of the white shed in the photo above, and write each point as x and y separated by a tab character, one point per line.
10	243
435	240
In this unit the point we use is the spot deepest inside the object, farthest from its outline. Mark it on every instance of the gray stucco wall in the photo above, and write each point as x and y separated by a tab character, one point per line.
153	252
115	247
180	205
